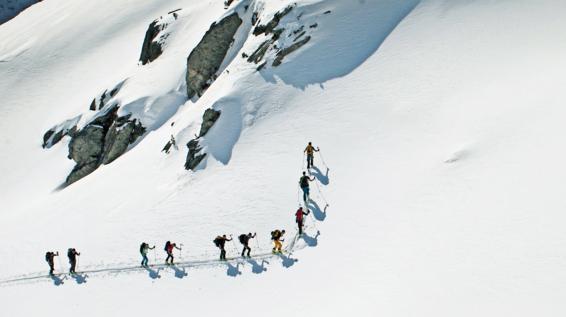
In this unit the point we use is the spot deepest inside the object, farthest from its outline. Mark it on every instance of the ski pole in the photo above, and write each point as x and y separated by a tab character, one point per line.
77	267
322	158
60	264
257	242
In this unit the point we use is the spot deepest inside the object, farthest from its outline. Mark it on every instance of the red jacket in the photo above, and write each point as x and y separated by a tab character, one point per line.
299	215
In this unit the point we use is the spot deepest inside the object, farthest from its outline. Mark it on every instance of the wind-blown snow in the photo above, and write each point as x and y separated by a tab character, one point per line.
440	121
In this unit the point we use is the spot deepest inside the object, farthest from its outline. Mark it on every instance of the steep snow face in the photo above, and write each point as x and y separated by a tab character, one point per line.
438	185
11	8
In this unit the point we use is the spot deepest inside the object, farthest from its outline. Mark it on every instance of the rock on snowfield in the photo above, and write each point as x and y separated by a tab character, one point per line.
205	60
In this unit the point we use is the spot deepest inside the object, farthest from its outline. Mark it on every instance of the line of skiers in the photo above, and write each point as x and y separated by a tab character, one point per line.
71	254
219	241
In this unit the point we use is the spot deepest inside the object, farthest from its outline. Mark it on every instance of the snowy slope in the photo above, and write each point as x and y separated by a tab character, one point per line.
440	122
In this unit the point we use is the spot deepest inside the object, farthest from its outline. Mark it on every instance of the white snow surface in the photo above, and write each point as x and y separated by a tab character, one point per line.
441	123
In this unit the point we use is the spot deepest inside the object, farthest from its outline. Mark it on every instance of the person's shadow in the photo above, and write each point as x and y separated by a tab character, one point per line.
311	241
256	267
287	261
179	272
57	281
153	274
322	178
315	209
233	271
79	278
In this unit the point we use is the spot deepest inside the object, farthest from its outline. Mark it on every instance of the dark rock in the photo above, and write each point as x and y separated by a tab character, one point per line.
46	137
208	119
106	120
102	141
80	171
327	12
299	30
227	3
87	146
119	137
277	33
54	135
286	51
93	105
257	56
299	36
313	26
193	157
151	49
271	25
260	67
244	55
254	18
205	60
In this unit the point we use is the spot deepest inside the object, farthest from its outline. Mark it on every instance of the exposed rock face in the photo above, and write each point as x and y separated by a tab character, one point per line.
257	56
194	157
120	135
151	49
56	134
288	50
101	142
208	119
205	60
271	25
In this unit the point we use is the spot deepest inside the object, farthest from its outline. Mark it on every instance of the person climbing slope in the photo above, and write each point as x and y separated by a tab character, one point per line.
49	256
304	183
277	236
244	240
220	242
144	247
72	255
169	249
310	154
299	218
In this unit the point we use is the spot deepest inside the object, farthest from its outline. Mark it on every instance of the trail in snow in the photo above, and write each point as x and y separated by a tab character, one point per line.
179	267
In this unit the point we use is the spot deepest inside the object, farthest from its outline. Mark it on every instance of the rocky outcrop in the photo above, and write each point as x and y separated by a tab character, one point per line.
205	60
121	134
271	25
288	50
151	49
194	157
208	120
257	56
56	133
102	141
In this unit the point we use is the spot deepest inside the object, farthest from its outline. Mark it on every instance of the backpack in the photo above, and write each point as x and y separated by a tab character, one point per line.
304	182
70	253
167	244
142	246
217	241
243	238
47	256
